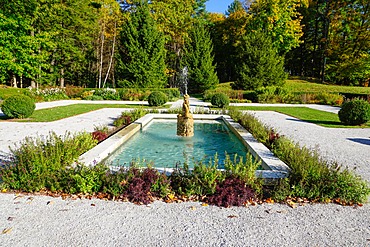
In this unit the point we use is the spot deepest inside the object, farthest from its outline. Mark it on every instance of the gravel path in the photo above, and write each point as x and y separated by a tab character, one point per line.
45	221
350	147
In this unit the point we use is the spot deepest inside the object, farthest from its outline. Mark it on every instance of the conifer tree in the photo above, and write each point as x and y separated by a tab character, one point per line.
198	58
258	63
141	57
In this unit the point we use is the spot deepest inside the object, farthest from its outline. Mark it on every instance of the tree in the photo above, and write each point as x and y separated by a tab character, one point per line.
174	19
336	42
20	42
234	7
74	24
258	63
141	53
226	34
198	58
110	20
280	19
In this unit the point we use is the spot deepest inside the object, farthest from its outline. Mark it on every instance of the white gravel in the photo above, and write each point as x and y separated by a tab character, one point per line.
33	220
350	147
47	221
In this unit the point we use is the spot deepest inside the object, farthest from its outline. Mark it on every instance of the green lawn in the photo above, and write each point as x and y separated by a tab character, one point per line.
303	86
322	118
57	113
311	87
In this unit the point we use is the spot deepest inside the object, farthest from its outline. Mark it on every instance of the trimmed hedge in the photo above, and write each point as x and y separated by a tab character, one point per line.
18	106
354	112
157	99
220	100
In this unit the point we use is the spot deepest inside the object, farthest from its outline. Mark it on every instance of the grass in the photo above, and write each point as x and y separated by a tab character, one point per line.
57	113
322	118
311	87
304	86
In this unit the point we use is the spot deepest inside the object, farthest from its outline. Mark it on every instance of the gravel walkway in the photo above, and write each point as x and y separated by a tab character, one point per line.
45	221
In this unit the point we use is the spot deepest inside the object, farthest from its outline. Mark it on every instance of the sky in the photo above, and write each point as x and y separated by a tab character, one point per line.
219	6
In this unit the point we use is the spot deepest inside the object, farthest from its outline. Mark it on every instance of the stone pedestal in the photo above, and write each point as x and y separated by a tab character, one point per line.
185	126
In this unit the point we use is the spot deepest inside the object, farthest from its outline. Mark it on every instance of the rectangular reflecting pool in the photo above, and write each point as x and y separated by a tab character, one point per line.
153	138
158	144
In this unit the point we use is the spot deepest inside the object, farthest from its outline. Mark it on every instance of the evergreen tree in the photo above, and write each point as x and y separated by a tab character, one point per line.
199	60
258	63
141	61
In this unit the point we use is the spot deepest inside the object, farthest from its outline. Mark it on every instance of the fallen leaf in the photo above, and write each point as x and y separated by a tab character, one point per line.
269	200
50	203
7	230
92	204
192	208
292	204
204	204
3	190
232	216
29	200
18	197
10	218
281	211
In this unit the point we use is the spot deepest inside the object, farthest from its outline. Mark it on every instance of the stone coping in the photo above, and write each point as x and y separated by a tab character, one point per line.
275	168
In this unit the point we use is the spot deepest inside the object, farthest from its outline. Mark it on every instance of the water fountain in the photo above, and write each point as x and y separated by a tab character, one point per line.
185	121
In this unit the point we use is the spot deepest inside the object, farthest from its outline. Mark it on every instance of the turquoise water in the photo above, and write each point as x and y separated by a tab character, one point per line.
158	144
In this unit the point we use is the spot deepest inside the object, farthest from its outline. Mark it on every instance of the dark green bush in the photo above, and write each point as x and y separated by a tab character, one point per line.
157	99
18	106
354	112
220	100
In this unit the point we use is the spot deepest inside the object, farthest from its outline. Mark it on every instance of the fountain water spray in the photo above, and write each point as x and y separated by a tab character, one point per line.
185	121
184	78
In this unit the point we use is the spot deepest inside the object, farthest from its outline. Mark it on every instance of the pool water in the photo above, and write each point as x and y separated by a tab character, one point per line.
159	145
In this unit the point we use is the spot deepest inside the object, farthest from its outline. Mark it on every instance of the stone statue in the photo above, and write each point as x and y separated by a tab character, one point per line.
185	121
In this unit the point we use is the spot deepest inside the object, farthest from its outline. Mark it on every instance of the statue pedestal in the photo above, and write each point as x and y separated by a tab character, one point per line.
185	126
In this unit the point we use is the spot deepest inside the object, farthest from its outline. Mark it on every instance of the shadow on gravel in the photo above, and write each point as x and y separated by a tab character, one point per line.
4	159
318	122
360	140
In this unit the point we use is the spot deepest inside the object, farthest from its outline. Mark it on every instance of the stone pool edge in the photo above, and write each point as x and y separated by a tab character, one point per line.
276	168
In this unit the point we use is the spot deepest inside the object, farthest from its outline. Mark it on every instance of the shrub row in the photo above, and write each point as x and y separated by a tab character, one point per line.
310	177
45	164
276	94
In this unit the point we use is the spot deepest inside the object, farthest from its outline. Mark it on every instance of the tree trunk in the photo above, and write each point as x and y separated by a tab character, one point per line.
111	57
62	77
14	81
101	58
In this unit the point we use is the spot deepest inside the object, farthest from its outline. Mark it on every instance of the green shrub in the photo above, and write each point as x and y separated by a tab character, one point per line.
157	99
107	94
48	94
39	163
329	98
354	112
273	94
199	182
310	177
18	106
220	100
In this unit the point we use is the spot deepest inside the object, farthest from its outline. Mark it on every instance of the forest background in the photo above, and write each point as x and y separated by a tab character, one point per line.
146	44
